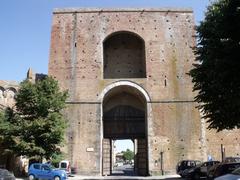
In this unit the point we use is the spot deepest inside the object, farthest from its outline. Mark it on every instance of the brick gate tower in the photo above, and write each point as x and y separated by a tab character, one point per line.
125	70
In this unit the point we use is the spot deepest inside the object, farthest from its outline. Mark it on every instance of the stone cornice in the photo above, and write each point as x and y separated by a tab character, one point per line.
99	10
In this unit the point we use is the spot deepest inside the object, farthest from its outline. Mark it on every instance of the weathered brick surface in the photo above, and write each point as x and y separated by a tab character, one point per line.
84	132
174	124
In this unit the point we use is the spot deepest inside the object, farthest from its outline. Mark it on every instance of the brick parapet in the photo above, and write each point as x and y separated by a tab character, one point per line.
94	10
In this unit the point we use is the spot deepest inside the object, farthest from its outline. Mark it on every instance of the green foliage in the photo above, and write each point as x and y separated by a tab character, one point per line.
217	71
56	158
36	127
128	155
7	130
2	126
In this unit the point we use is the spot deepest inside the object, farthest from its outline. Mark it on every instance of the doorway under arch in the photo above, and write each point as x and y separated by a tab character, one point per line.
125	117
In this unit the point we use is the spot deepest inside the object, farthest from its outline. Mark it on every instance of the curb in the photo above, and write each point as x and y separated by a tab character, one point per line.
79	177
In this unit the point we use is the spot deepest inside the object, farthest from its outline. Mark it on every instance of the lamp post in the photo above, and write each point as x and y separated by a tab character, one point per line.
161	165
223	152
161	159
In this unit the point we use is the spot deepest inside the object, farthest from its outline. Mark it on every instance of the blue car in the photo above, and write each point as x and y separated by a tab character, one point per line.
45	171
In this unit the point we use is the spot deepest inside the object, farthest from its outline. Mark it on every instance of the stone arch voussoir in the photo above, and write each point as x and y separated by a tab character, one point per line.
124	83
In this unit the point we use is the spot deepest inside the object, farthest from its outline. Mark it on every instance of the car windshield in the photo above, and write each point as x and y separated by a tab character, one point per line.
51	166
236	171
197	163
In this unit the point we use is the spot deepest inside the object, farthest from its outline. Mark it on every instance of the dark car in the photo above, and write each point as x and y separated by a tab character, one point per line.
222	169
6	175
186	164
231	159
200	170
234	175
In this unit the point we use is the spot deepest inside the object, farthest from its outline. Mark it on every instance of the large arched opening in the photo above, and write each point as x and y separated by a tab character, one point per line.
124	116
124	56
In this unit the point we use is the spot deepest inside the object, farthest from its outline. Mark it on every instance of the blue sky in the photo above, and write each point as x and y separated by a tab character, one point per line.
123	145
26	26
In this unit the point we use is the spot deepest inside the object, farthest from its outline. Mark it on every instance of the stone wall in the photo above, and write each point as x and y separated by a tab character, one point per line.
83	134
7	93
76	55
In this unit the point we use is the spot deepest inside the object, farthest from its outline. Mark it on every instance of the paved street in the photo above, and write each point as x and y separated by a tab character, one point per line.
167	177
78	177
121	172
125	170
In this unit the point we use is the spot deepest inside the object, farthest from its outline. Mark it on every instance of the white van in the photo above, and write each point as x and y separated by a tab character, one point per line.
65	165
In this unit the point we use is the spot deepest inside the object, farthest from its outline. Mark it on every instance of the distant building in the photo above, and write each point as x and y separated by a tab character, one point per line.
7	93
119	157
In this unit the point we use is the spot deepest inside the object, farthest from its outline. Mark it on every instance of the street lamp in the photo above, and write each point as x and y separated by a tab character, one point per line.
161	159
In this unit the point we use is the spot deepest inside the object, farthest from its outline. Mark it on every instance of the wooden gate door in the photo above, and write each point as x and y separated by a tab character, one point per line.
142	161
106	161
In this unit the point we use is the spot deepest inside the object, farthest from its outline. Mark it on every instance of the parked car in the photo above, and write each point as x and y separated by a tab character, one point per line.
222	169
200	170
186	164
119	163
231	159
45	171
6	175
211	171
66	166
234	175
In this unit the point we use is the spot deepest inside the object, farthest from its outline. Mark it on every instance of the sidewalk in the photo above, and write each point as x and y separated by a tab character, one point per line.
124	177
79	177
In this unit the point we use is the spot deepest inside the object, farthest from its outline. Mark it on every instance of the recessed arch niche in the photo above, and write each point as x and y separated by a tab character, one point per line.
124	56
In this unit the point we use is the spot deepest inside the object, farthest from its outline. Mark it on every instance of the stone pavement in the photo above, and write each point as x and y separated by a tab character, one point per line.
79	177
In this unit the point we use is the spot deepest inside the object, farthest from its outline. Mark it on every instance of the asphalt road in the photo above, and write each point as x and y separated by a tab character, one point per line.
125	170
121	172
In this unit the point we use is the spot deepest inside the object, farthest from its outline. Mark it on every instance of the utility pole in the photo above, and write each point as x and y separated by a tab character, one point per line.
223	152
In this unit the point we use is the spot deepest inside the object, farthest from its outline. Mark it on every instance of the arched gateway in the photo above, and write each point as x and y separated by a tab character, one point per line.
126	74
125	116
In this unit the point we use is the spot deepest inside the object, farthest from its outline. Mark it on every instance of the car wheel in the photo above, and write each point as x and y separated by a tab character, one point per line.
31	177
196	176
57	178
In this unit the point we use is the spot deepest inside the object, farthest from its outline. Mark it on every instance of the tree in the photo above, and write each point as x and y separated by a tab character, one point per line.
217	69
128	155
7	131
35	127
